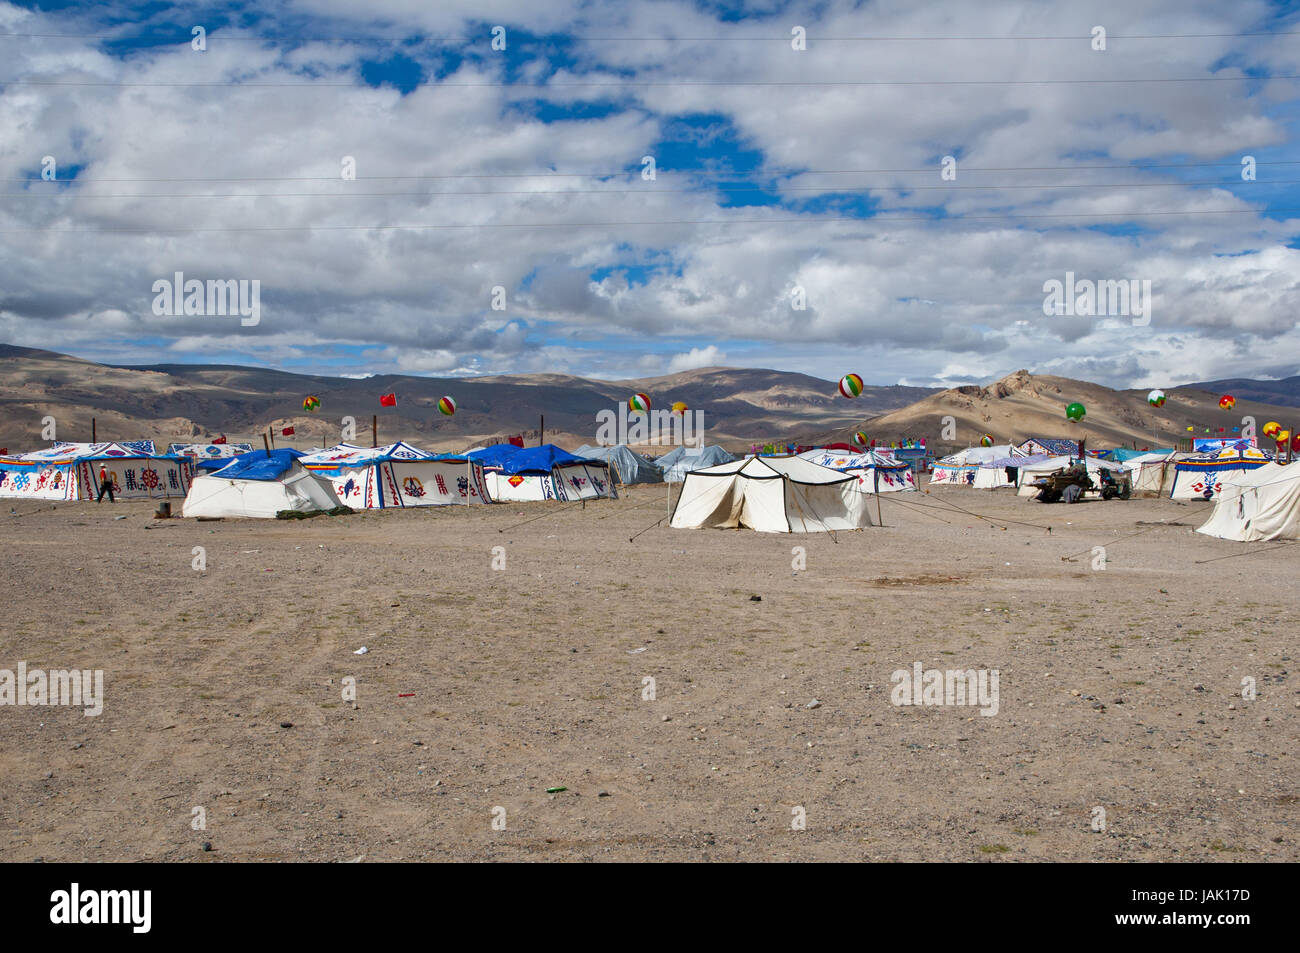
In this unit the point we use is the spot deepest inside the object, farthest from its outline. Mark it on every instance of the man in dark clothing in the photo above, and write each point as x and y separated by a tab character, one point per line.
105	485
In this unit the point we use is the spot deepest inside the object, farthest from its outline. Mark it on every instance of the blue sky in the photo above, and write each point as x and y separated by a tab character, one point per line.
779	175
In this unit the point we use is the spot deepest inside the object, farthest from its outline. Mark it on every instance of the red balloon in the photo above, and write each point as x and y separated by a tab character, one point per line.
1295	443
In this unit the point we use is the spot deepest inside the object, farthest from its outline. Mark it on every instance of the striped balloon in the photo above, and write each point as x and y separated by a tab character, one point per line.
986	440
679	407
860	439
639	403
447	406
850	385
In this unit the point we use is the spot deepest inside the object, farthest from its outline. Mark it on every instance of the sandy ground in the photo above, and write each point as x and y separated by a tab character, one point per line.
1120	687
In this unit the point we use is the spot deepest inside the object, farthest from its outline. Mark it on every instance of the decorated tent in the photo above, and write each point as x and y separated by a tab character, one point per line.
208	451
961	468
1201	477
398	474
679	461
1257	505
771	495
1052	446
627	467
877	472
70	471
519	474
257	485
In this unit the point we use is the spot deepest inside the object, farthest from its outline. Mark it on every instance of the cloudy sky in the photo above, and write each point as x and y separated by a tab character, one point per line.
778	173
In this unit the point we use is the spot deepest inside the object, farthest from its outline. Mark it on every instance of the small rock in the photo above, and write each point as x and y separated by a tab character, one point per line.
755	598
286	724
206	846
813	704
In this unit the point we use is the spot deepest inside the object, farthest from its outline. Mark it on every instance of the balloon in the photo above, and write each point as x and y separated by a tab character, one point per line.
679	407
1283	436
1190	429
311	403
1295	443
639	403
850	386
1271	429
1156	398
446	406
860	439
1227	402
1076	411
986	440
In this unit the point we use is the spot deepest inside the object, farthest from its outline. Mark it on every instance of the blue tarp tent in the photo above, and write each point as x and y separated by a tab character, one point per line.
541	473
256	465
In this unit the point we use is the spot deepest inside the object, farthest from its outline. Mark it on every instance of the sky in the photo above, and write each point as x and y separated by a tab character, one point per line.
504	215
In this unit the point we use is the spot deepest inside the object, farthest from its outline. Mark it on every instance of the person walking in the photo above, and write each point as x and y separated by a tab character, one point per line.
105	485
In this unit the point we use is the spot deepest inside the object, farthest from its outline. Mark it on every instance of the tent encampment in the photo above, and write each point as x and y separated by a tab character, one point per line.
521	474
771	495
1201	477
877	472
1257	505
679	461
628	467
397	474
257	485
70	471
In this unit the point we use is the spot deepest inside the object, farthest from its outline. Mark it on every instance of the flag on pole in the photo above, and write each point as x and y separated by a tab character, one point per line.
517	440
388	400
221	439
287	432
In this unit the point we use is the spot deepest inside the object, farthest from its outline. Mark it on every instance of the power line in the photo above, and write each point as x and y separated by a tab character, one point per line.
826	189
525	225
701	173
535	39
624	84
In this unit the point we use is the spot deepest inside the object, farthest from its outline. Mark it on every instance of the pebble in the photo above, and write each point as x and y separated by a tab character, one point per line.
206	846
286	724
813	704
755	598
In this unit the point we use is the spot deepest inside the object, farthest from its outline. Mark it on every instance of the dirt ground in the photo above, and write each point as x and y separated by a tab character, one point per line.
1120	686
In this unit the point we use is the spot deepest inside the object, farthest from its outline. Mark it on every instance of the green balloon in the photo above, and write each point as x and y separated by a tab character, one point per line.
1075	411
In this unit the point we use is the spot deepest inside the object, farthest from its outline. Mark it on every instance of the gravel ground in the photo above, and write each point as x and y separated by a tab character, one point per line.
1120	686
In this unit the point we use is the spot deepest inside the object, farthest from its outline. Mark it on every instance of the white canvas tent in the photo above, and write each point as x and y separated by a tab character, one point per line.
1257	505
397	475
258	485
771	495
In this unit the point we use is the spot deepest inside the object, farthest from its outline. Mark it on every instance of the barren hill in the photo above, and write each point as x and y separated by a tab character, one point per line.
1023	405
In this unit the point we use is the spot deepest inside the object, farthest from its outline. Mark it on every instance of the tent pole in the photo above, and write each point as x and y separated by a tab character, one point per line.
541	429
94	433
374	430
880	520
266	444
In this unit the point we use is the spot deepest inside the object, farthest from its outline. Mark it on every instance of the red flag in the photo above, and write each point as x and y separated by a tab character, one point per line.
221	439
4	451
517	441
388	400
287	432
